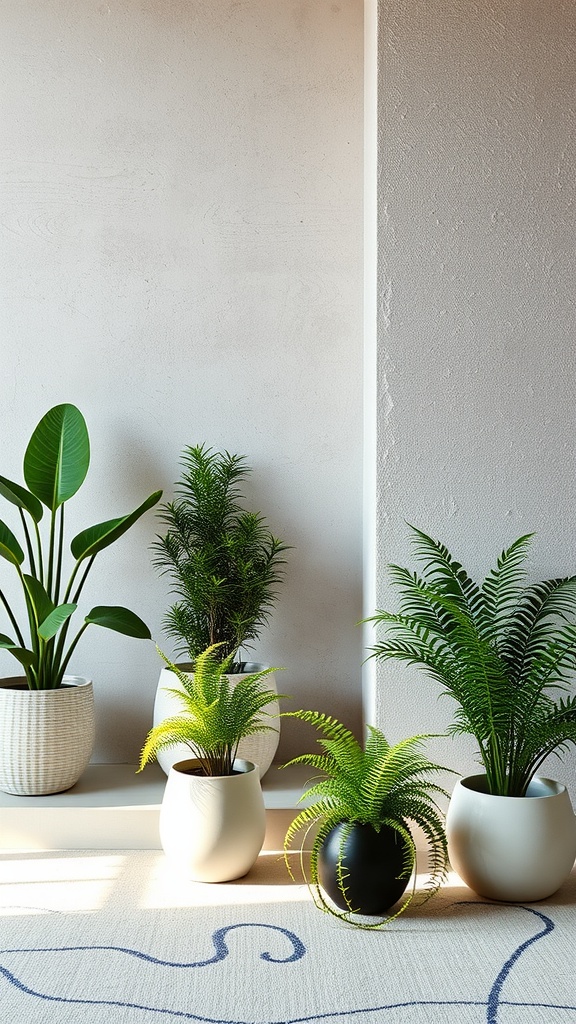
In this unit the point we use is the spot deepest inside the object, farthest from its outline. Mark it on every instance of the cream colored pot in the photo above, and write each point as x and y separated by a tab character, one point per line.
212	827
46	736
517	849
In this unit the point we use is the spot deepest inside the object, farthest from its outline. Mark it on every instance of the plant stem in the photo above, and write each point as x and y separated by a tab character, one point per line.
40	574
12	618
69	653
51	547
89	565
29	549
59	558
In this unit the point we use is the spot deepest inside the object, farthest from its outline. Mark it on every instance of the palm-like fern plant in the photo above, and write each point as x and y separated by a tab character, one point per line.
380	786
505	651
215	714
224	563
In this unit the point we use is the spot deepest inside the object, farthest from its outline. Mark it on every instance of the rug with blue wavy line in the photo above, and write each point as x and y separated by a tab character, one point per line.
117	938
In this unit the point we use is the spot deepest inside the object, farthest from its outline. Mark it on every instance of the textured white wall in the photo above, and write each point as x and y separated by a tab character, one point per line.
181	258
476	360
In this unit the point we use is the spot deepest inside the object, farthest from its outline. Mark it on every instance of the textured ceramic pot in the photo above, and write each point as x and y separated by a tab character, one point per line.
372	863
516	849
46	736
259	748
212	827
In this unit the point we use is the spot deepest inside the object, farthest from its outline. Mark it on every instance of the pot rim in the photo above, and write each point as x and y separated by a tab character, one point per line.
18	684
548	788
249	667
242	766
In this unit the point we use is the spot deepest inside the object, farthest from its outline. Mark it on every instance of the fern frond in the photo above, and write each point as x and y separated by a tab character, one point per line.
447	576
498	650
215	714
502	586
375	786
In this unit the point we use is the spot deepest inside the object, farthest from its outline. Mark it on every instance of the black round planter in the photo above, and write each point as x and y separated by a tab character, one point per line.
372	862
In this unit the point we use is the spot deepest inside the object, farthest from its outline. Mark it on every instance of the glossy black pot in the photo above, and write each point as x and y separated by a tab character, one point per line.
372	862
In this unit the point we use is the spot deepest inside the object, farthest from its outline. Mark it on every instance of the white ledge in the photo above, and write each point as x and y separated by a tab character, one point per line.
113	808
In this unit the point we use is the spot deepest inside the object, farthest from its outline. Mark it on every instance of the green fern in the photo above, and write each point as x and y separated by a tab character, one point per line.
215	714
504	651
378	785
223	562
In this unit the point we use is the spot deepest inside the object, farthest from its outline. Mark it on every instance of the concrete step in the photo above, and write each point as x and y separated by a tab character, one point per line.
113	808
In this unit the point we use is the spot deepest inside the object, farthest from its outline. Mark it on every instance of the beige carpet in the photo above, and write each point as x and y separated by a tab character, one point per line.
117	938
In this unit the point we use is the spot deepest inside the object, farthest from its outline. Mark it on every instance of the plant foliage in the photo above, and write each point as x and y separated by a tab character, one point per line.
56	462
378	785
216	714
505	652
224	563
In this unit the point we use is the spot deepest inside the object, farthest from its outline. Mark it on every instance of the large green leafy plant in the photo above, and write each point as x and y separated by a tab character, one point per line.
56	462
223	562
215	715
503	650
378	785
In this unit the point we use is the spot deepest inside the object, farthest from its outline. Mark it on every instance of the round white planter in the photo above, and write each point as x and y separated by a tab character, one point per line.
212	827
46	736
259	748
516	849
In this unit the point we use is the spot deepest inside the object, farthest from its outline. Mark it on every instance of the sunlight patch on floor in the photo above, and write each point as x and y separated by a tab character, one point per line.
57	884
53	883
267	882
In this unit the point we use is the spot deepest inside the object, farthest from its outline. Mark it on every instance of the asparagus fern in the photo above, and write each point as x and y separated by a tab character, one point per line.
378	785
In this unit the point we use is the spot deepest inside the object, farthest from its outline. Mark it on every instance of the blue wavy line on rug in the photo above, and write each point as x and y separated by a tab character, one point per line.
495	992
221	950
492	1004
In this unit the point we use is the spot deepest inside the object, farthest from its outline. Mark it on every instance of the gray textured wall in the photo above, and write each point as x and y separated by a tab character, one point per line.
181	257
476	304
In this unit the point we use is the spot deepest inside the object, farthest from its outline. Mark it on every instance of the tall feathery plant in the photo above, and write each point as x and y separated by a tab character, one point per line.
503	650
224	563
380	785
215	715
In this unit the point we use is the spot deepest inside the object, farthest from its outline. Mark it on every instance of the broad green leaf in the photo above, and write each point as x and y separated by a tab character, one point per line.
121	620
9	546
96	538
58	455
51	624
43	604
19	496
23	656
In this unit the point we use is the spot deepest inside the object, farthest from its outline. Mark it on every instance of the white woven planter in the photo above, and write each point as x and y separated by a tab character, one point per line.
46	736
259	748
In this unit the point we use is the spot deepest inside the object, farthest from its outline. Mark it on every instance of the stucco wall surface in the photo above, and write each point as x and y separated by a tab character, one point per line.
476	303
181	257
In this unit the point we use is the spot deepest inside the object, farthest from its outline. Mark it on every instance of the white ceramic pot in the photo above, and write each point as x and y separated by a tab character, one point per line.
46	736
517	849
212	827
259	748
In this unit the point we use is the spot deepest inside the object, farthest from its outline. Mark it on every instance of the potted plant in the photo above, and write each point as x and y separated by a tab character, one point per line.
224	566
505	652
47	717
365	804
212	818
